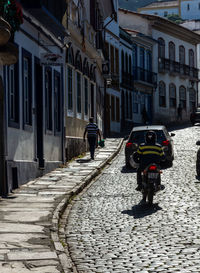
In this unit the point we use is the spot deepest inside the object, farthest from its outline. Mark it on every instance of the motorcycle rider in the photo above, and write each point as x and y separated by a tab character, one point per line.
147	153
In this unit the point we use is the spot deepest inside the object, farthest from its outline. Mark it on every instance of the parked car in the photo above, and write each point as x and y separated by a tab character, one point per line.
137	136
195	116
198	159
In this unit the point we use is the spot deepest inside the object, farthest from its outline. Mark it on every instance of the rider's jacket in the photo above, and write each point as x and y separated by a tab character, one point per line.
149	153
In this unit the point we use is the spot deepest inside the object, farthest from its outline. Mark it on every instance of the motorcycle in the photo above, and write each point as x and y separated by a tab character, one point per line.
151	177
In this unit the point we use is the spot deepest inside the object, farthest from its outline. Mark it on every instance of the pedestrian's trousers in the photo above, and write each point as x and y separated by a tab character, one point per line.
92	145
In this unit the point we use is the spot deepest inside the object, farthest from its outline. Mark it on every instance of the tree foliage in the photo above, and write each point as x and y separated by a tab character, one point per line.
175	18
11	11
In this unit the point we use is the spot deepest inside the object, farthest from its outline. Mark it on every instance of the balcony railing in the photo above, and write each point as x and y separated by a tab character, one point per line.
146	76
127	80
166	65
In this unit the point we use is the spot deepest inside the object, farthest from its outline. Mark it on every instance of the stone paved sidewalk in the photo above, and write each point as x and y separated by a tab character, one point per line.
29	223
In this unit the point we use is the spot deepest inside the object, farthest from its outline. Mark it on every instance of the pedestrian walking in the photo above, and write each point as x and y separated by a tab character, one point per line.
92	132
179	110
145	118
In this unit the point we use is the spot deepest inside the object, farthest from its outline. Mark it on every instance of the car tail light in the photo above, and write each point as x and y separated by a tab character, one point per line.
165	143
129	144
152	168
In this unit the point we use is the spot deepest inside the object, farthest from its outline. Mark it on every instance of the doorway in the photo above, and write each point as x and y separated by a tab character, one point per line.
39	113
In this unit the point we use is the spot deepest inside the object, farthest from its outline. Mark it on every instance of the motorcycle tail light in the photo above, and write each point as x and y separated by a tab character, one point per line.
152	168
129	144
165	143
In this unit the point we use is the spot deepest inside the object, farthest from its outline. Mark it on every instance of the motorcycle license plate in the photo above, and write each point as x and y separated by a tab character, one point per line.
153	175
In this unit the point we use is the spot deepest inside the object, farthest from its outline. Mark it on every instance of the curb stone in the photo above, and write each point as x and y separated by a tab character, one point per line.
62	210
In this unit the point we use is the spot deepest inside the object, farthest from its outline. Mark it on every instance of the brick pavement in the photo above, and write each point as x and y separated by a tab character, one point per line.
30	216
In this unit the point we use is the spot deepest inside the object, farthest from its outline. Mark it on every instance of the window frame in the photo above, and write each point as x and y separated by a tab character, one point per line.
172	97
78	93
182	101
86	98
48	101
14	121
57	103
162	97
27	94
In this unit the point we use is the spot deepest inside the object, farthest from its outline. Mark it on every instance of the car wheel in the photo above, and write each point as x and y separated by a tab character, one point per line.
198	163
198	168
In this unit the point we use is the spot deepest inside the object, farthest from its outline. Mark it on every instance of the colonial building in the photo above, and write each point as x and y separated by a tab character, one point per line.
84	22
8	56
174	61
112	115
185	9
126	80
34	97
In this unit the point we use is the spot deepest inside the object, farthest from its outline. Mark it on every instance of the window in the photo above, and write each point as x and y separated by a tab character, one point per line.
161	48
182	96
130	65
27	88
134	55
188	6
70	88
78	91
126	63
182	54
113	108
135	102
142	58
199	5
122	61
117	110
165	13
13	96
127	105
112	58
192	99
86	96
130	106
149	61
116	61
48	98
162	94
57	102
191	58
172	95
172	56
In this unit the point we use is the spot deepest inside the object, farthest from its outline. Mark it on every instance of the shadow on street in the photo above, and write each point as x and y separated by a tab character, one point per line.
128	170
83	160
142	210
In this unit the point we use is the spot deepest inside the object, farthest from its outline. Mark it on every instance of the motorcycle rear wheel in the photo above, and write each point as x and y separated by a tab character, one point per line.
150	196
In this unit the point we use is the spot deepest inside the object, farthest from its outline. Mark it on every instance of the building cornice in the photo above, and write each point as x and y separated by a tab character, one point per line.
168	27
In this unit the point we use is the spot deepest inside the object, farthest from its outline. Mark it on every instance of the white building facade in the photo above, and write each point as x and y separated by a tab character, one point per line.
34	104
174	61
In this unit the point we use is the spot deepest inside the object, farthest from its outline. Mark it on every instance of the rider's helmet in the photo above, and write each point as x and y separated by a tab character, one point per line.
150	137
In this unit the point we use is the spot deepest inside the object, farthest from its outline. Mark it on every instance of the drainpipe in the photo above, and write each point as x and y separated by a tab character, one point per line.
3	182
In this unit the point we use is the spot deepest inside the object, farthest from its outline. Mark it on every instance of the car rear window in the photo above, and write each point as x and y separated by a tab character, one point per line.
138	136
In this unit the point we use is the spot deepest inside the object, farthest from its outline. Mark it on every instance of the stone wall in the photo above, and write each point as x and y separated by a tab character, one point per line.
74	147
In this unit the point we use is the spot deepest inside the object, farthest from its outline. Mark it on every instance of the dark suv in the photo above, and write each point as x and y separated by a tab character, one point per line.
137	136
195	116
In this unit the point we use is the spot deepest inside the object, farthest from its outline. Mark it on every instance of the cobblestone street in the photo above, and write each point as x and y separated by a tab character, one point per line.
108	231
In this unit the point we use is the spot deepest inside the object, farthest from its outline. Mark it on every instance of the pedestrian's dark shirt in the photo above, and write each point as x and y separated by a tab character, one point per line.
149	153
92	130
